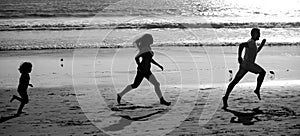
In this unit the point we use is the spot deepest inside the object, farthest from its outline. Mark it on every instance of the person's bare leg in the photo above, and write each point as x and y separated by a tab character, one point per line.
156	84
260	80
126	90
258	70
137	81
15	97
20	108
240	74
12	98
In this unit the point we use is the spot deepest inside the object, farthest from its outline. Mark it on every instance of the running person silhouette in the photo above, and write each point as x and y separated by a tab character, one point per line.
248	64
143	70
25	69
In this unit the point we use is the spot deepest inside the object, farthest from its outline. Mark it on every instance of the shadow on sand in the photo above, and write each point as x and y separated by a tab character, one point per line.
3	119
246	118
122	107
127	120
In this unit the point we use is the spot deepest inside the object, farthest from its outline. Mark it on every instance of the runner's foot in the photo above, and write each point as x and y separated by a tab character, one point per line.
118	99
12	98
164	102
19	113
257	94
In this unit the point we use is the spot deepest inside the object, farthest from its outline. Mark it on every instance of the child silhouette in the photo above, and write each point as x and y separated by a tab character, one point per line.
143	69
25	69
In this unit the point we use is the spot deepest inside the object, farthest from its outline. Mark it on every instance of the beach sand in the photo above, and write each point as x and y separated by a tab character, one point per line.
74	93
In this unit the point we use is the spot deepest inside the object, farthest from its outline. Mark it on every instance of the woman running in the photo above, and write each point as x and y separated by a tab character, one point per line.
143	69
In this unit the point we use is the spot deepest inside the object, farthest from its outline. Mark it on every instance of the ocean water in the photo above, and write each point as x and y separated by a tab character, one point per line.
79	8
48	24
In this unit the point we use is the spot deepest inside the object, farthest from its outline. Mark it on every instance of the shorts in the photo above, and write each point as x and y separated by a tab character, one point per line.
139	78
249	66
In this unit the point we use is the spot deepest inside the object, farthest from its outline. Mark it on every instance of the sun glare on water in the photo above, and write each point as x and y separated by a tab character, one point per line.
268	4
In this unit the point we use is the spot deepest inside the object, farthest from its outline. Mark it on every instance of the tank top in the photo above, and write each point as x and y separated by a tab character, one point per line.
145	65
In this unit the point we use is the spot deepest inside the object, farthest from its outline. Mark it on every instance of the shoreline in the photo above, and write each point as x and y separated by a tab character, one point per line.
156	45
119	38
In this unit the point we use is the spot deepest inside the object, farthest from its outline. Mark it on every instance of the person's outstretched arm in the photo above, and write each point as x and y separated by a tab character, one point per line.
155	63
241	47
261	45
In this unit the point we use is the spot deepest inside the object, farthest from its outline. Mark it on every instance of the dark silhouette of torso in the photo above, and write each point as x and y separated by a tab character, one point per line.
145	65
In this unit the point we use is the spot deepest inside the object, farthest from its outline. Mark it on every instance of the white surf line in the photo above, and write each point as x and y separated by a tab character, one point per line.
274	83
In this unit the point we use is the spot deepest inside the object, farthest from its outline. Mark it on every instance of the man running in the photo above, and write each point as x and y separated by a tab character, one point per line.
248	64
